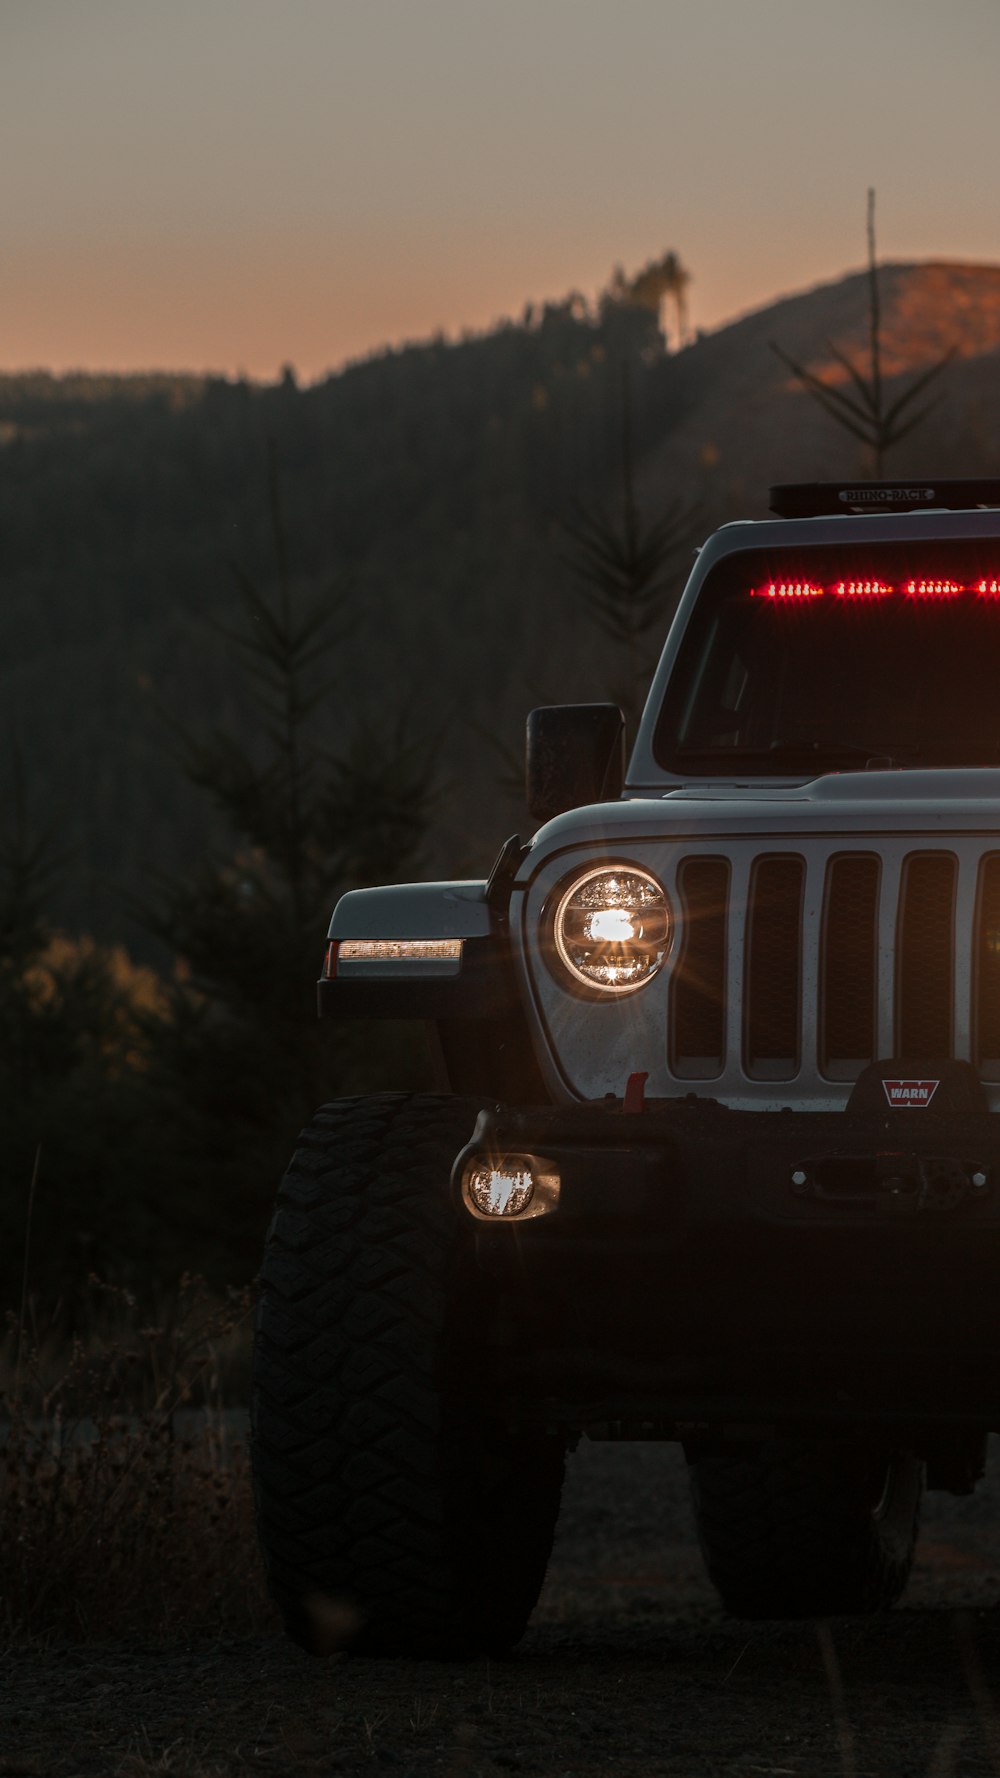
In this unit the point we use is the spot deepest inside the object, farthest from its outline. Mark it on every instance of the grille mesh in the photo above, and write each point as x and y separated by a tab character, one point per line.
697	992
774	941
925	957
849	964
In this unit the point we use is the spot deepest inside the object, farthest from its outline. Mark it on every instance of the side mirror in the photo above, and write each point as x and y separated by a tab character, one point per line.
574	754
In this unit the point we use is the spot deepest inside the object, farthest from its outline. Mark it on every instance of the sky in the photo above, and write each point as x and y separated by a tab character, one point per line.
237	185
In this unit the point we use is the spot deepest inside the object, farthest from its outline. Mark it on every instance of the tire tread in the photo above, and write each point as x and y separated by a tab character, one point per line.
366	1477
787	1529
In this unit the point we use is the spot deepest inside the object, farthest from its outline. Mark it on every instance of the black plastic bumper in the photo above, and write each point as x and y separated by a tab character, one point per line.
710	1265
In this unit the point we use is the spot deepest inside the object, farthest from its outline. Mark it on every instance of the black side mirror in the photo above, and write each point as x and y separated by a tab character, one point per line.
574	754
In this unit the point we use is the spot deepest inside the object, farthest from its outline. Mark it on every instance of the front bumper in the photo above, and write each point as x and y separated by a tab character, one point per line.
708	1267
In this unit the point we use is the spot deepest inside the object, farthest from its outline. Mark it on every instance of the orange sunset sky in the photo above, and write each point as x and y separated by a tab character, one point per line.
238	184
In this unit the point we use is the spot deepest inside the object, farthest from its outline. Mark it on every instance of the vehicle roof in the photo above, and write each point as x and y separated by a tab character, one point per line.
937	524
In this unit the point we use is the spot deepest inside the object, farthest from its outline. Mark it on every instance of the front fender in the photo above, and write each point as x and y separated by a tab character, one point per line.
386	959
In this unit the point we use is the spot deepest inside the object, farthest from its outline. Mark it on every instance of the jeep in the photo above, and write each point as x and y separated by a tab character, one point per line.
719	1158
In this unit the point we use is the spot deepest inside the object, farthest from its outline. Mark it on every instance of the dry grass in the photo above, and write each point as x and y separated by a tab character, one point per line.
125	1499
628	1668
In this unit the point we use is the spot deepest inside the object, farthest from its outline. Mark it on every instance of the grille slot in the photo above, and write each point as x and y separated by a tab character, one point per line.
774	970
987	970
849	966
698	988
925	965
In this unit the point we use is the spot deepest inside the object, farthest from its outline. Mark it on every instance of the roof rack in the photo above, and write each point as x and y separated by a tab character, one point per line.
804	500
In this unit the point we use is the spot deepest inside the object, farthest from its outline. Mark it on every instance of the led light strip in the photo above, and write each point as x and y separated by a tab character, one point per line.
875	589
788	589
861	589
400	950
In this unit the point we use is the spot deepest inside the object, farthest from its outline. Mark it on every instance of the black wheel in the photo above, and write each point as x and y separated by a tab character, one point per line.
395	1514
801	1529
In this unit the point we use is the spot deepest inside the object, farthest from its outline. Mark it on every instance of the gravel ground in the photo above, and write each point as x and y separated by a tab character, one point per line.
629	1667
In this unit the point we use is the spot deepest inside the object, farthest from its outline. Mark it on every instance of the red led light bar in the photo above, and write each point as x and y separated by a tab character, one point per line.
933	589
789	589
875	589
861	589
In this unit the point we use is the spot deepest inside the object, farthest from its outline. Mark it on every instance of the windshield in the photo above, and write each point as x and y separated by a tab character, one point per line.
827	662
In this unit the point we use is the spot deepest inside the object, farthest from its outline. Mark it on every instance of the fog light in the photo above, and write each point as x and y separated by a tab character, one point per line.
510	1185
503	1190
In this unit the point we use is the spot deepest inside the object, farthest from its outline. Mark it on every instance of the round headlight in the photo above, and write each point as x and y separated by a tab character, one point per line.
612	928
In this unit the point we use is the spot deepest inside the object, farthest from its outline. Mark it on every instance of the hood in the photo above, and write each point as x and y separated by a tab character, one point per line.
962	800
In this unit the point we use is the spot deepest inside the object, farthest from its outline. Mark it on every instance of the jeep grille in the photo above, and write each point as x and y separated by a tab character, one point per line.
804	965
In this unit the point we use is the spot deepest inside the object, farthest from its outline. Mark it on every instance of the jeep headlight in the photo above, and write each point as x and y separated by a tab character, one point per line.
612	928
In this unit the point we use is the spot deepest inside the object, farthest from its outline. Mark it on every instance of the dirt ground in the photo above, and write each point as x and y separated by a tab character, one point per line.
629	1667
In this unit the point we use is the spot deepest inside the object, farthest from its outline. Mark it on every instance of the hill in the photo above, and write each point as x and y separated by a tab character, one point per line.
739	411
428	482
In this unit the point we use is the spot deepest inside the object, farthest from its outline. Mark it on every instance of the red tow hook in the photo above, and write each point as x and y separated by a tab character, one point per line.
635	1092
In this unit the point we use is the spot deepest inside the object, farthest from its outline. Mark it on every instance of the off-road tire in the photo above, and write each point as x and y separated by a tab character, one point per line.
801	1529
396	1513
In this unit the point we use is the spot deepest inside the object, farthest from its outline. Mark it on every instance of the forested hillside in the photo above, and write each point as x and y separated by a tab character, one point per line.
423	485
429	484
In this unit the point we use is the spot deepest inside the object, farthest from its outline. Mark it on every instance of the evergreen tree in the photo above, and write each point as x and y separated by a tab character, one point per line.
243	1060
864	411
626	571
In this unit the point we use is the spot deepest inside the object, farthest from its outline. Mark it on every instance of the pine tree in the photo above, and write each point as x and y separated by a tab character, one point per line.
864	413
626	571
243	1061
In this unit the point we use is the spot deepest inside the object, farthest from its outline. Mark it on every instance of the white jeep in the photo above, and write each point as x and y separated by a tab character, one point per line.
720	1158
